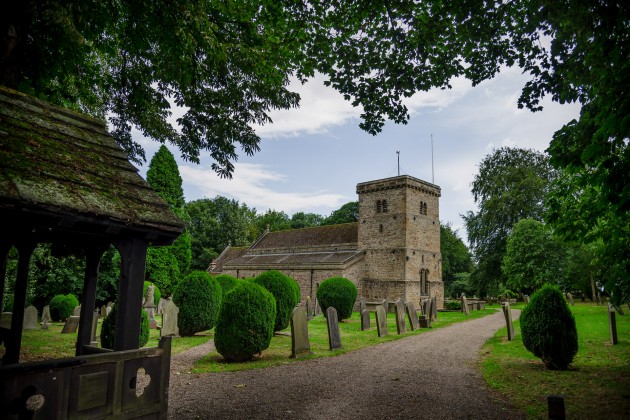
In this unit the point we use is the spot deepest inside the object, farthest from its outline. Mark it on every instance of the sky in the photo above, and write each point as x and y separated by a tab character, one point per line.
312	158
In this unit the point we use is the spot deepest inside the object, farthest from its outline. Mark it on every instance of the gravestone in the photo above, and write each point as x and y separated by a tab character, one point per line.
526	298
300	346
428	309
508	320
612	323
77	311
599	298
434	309
381	321
385	305
160	306
71	325
46	317
5	320
103	313
555	407
334	336
570	299
30	318
399	306
93	338
309	309
424	321
108	310
318	310
465	308
361	304
412	316
365	320
169	319
150	314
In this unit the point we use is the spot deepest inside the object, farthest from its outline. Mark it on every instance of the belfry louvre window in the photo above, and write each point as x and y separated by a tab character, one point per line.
384	206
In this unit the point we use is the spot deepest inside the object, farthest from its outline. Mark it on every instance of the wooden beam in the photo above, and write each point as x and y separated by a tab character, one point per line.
5	247
92	262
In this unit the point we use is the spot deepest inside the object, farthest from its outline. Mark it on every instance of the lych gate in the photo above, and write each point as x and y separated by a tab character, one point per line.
65	181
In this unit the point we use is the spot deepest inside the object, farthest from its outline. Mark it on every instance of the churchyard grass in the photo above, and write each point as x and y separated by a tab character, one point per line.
352	338
597	385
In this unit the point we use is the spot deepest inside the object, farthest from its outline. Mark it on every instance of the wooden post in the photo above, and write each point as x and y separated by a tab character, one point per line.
133	255
92	262
5	247
612	321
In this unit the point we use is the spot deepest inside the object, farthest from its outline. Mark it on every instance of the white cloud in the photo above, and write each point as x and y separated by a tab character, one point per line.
249	186
438	98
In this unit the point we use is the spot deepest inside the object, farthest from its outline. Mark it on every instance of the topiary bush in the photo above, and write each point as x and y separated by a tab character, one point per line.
108	329
198	298
283	289
156	292
548	328
226	282
338	292
453	306
246	322
62	306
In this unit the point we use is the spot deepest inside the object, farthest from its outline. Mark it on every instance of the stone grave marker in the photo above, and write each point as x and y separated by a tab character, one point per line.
570	299
428	308
401	327
318	310
599	298
434	309
71	325
5	320
381	321
103	313
526	298
385	305
365	320
465	308
30	318
361	304
93	337
424	321
412	316
612	322
334	336
169	319
555	407
300	346
160	306
309	308
508	320
46	317
77	311
151	315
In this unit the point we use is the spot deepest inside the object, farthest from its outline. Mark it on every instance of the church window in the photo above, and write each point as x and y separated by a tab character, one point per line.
421	206
384	206
378	206
424	209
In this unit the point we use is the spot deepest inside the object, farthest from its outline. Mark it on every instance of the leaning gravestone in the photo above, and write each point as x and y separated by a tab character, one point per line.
160	306
508	320
169	319
71	325
599	298
361	304
5	320
465	308
412	316
334	336
77	311
46	317
93	338
365	320
309	309
570	299
434	309
300	346
30	318
318	310
428	308
401	328
612	322
381	321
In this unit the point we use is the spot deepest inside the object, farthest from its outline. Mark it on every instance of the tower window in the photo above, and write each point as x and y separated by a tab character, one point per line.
378	206
424	209
384	206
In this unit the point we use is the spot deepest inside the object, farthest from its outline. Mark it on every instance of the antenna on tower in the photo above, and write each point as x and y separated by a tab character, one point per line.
432	173
398	154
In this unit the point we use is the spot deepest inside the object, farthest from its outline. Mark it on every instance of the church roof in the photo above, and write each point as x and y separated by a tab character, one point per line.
229	253
331	236
61	168
291	260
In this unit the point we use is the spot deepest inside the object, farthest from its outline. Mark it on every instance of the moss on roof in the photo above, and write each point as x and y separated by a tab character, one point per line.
320	236
57	161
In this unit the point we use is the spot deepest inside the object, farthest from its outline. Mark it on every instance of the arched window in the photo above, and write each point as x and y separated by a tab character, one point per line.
384	206
378	206
421	207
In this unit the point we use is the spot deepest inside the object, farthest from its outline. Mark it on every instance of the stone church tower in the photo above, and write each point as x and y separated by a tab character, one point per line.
399	231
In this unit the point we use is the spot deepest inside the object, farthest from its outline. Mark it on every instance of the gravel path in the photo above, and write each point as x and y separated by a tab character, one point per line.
430	376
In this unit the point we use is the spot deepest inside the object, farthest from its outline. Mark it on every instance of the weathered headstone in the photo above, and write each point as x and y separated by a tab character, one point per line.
424	321
412	315
385	305
428	309
599	298
465	308
169	319
381	321
318	309
526	298
77	311
555	407
612	322
361	304
46	317
103	313
508	320
160	306
108	310
434	309
71	325
401	328
309	308
150	314
570	299
30	318
5	320
149	300
300	346
93	337
334	336
365	320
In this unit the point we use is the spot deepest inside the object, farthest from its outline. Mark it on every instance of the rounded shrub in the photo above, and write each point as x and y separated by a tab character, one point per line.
108	329
198	298
226	282
246	322
156	292
62	306
548	328
338	292
453	306
285	291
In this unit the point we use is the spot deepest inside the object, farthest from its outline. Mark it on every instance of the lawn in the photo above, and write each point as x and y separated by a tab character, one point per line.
596	386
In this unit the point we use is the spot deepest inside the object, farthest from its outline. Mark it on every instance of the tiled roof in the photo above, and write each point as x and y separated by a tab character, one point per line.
306	259
321	236
61	164
230	253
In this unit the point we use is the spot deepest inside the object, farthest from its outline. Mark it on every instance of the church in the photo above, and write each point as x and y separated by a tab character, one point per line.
391	252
